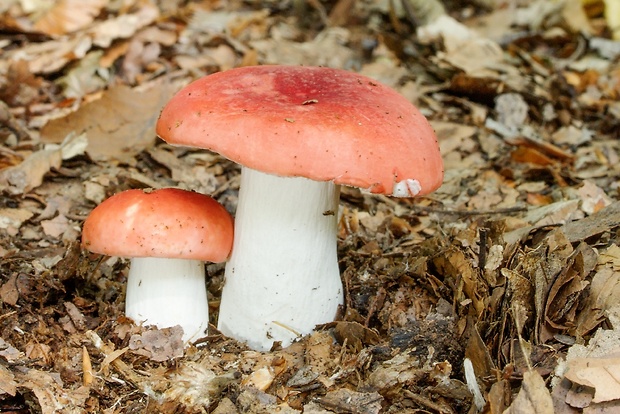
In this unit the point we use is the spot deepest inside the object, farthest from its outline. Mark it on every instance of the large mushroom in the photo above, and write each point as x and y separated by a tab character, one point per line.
299	133
168	234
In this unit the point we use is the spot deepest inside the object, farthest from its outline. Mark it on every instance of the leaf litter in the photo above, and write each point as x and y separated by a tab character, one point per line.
497	293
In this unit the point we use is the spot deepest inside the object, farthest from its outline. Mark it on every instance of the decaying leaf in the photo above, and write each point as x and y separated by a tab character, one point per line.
514	261
11	219
159	344
30	173
602	374
603	220
69	15
355	335
534	398
50	395
346	401
396	372
119	125
604	292
8	385
192	384
563	300
456	265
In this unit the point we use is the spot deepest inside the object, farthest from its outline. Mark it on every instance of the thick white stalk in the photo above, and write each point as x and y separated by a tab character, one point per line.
283	277
168	292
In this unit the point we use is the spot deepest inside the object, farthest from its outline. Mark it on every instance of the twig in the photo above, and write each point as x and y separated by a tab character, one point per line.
427	403
508	210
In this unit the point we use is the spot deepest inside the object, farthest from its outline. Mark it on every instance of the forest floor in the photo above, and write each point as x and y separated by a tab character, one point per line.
499	291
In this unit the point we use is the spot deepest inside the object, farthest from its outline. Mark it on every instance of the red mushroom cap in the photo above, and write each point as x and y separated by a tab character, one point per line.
168	223
320	123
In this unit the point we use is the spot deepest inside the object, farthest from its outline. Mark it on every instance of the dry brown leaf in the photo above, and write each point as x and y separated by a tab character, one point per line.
11	219
602	374
593	198
402	369
53	55
346	401
454	264
497	397
563	298
10	353
83	78
159	344
30	173
603	220
552	214
601	350
533	398
530	155
119	125
123	26
9	293
328	48
67	16
611	257
192	384
51	395
8	385
603	295
453	136
56	226
356	335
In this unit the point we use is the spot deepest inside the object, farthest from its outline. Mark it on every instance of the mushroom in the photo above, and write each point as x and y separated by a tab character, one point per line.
299	133
167	233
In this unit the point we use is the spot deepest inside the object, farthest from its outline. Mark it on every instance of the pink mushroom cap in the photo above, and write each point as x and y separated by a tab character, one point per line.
167	223
320	123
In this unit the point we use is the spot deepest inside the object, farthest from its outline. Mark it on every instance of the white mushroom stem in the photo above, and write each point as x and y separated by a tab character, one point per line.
283	277
168	292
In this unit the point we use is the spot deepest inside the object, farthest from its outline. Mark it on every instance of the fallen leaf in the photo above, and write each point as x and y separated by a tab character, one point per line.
9	292
8	385
356	335
118	125
563	300
11	219
193	384
123	26
84	77
533	398
601	350
333	39
603	220
159	344
602	374
56	226
604	292
10	353
53	55
593	198
67	16
347	401
30	173
50	394
395	372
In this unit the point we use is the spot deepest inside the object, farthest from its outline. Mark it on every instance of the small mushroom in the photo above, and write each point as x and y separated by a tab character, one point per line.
167	233
299	133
